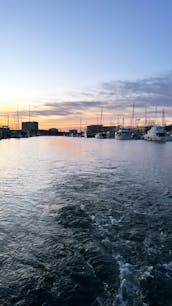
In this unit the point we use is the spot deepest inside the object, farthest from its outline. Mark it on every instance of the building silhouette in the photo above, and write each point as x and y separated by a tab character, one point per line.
30	127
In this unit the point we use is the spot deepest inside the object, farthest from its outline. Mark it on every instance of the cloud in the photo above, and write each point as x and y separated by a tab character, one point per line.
143	92
114	96
72	104
67	108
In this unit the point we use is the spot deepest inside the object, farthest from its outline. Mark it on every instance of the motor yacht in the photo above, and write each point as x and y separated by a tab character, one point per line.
156	133
123	134
100	135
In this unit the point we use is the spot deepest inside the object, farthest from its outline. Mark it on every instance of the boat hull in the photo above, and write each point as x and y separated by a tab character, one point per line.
122	137
155	138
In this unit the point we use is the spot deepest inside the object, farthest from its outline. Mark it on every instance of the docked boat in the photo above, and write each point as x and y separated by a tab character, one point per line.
100	135
156	133
123	134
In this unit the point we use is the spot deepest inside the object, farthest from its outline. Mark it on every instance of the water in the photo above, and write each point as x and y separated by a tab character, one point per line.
85	222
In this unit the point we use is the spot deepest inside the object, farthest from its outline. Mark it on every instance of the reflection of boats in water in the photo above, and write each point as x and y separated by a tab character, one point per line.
156	133
123	134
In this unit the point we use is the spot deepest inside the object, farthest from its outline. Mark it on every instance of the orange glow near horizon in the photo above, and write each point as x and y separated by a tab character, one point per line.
12	117
65	124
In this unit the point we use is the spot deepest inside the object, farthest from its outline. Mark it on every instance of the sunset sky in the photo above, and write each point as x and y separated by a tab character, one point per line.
67	59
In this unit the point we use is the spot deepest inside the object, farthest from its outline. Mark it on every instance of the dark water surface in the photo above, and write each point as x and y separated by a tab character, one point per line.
85	222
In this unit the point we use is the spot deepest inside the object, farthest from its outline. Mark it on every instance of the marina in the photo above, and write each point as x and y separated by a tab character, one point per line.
152	133
86	153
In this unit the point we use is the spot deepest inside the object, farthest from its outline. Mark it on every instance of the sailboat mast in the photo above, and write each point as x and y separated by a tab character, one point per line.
80	124
18	122
8	119
145	116
155	115
163	118
101	115
29	112
123	121
132	122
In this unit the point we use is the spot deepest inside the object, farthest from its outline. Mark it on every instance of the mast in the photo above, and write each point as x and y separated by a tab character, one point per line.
80	124
145	116
123	121
29	112
117	122
8	119
101	115
155	115
18	122
163	118
132	119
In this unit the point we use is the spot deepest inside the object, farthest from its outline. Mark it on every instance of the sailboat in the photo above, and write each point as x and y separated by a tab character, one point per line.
100	134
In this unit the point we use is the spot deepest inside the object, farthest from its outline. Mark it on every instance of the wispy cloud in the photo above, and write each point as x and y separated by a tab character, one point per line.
115	97
148	91
67	108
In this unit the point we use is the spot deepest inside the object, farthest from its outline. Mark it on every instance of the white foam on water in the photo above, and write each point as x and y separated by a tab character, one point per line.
115	221
147	273
168	266
129	289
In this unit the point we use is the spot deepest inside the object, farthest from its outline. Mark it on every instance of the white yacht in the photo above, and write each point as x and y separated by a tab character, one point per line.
156	133
123	134
100	135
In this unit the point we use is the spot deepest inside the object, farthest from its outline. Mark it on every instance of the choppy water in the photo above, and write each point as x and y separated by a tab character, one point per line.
85	222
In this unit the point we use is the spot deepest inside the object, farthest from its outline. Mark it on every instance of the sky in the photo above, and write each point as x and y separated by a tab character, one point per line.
67	60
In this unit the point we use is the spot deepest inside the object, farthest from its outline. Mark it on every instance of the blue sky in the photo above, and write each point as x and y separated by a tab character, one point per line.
55	50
